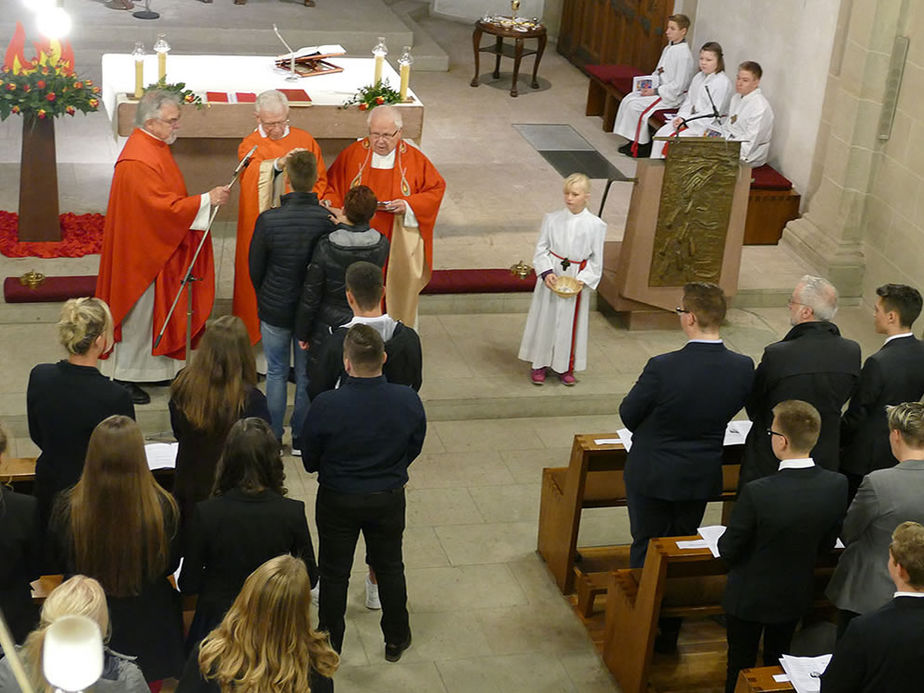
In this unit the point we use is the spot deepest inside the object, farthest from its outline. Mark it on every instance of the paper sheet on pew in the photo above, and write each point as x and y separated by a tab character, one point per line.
161	455
805	672
735	434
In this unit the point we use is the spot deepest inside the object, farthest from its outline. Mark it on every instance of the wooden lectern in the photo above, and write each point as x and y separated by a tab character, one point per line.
685	223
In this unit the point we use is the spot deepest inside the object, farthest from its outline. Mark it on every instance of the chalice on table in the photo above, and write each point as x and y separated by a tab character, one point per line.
514	5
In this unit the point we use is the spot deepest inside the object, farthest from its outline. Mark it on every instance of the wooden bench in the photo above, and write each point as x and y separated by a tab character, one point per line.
19	474
607	87
673	583
594	479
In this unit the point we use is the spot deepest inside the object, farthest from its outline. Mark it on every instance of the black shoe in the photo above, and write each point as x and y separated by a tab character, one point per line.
393	652
139	396
626	149
666	643
643	151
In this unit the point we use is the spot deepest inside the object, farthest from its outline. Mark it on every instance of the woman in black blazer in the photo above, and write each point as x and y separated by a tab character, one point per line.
247	522
218	388
265	642
117	526
20	550
65	400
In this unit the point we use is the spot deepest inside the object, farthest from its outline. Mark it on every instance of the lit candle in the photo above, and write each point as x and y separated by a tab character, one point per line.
404	63
138	55
380	51
161	48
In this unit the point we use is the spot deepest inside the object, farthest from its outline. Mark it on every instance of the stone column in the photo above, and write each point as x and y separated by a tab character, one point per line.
830	233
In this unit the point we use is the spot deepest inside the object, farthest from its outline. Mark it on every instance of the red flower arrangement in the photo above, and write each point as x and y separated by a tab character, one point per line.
46	85
81	234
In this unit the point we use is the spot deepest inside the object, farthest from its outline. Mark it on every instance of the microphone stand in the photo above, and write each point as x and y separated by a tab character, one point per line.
189	278
292	77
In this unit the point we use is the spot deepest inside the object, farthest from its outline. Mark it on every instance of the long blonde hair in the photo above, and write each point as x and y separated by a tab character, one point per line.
265	643
120	519
78	596
212	390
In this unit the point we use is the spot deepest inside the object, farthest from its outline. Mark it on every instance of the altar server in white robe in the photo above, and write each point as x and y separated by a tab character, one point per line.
570	244
709	93
674	71
750	118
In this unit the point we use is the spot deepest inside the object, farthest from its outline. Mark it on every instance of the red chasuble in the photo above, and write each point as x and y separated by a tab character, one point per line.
244	304
147	239
413	179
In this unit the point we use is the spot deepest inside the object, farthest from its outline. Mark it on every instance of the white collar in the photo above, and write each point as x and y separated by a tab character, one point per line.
799	463
908	594
264	135
152	135
387	161
705	341
899	336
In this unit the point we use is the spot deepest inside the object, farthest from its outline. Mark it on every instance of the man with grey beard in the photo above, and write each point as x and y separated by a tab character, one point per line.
152	230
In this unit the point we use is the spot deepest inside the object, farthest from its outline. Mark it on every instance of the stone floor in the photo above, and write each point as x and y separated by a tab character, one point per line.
485	614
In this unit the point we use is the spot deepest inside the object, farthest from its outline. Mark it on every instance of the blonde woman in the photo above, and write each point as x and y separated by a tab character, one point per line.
117	526
66	400
265	642
79	596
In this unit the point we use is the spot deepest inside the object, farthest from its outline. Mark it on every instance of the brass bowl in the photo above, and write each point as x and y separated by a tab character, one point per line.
32	279
566	287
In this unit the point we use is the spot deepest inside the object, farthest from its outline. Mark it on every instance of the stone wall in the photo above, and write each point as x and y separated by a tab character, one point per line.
792	41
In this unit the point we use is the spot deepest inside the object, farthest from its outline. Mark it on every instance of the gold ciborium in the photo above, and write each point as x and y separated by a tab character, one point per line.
32	279
520	270
514	5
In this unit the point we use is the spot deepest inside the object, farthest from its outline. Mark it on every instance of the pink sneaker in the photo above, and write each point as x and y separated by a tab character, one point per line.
537	375
567	378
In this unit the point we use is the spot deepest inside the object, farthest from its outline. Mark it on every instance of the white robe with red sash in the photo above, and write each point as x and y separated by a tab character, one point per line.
556	327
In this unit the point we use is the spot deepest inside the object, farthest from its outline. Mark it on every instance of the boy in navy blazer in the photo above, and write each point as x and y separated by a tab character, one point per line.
779	526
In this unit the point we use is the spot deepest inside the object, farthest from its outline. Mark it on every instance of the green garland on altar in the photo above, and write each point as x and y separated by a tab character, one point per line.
373	95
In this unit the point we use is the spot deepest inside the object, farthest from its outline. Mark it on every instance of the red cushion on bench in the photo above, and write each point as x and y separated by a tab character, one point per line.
608	74
53	290
477	281
767	178
661	115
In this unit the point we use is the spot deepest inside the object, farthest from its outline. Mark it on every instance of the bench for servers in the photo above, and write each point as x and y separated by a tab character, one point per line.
674	582
594	479
772	202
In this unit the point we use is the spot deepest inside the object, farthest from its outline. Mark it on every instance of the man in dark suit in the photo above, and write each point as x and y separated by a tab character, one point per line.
881	651
812	363
893	374
779	526
360	439
677	412
886	497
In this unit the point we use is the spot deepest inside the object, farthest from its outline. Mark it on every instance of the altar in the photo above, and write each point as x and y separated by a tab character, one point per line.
206	146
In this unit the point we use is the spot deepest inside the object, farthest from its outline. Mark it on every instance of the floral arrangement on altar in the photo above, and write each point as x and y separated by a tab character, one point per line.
45	86
178	88
373	95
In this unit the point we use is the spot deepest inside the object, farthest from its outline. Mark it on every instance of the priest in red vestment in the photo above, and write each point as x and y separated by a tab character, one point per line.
409	190
151	233
262	184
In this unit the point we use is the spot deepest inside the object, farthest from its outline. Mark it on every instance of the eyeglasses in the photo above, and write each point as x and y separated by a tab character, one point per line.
383	135
791	302
681	311
275	124
771	433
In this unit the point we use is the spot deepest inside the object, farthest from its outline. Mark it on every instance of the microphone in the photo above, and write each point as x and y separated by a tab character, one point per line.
242	164
291	76
715	111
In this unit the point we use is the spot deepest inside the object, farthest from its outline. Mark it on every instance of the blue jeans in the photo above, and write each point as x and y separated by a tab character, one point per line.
278	344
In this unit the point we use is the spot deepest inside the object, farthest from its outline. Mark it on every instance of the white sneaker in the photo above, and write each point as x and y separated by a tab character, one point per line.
372	595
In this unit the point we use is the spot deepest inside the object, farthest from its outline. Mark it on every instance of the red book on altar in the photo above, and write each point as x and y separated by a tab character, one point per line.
224	97
246	97
216	97
296	96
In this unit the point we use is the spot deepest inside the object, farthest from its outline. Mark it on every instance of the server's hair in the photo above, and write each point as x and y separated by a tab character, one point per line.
716	48
752	67
681	20
577	180
82	321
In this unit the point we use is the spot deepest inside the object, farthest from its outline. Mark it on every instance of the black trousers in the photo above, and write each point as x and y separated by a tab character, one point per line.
744	639
380	517
650	518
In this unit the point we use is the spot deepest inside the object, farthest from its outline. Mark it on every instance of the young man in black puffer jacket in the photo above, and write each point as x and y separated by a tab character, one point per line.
283	241
323	306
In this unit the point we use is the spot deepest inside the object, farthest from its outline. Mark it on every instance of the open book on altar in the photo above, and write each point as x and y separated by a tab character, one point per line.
311	61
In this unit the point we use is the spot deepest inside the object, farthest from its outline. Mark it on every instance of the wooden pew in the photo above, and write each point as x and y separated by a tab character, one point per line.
673	583
594	479
760	680
19	474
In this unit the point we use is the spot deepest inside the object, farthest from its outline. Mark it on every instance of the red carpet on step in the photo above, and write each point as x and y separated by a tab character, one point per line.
81	234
